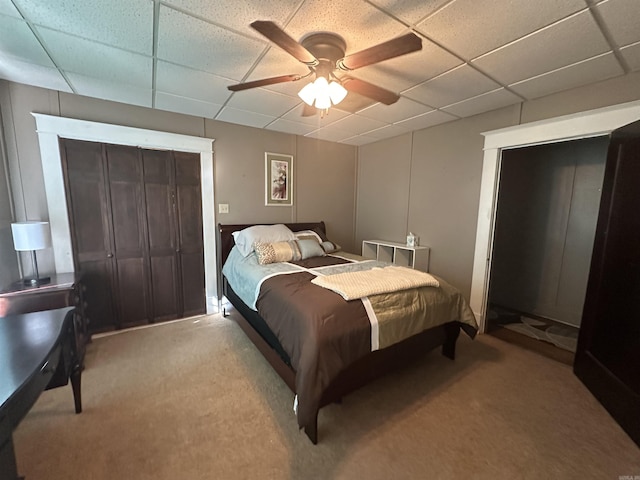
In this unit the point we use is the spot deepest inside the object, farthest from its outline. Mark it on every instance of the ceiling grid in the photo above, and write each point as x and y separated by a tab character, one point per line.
181	55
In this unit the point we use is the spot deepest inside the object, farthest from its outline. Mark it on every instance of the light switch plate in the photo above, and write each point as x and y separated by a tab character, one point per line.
223	208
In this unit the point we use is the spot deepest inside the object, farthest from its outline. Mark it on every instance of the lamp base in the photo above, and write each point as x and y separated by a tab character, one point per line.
35	282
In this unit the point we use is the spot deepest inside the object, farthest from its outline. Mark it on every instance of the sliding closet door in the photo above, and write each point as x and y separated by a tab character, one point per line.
189	214
608	354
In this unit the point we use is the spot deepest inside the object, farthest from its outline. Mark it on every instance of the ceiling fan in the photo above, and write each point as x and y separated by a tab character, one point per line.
324	54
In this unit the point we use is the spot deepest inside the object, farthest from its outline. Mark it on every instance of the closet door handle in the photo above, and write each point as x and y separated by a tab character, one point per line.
109	255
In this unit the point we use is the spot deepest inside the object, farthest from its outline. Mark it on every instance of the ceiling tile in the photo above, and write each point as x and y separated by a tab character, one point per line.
632	55
287	126
201	45
387	131
359	140
401	110
276	62
426	120
571	40
238	15
331	134
188	106
622	18
360	24
473	27
483	103
108	89
7	8
96	60
252	119
186	82
332	116
32	74
411	11
581	73
454	86
125	24
263	101
358	124
400	73
17	41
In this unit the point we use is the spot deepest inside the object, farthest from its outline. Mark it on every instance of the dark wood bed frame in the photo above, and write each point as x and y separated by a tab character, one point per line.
358	374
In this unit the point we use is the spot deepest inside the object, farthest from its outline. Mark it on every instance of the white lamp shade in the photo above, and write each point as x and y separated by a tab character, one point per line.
322	93
31	235
337	92
308	94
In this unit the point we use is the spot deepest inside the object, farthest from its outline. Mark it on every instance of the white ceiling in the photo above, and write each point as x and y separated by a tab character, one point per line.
180	55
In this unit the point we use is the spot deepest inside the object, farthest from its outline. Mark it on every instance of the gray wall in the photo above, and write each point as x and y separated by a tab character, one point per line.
429	181
545	227
238	163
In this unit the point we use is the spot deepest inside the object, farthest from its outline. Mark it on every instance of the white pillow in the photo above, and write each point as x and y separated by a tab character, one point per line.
261	233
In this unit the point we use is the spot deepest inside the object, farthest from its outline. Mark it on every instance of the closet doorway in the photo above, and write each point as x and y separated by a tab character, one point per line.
545	224
136	229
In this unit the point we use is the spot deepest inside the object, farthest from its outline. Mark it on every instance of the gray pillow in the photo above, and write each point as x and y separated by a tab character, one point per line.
310	248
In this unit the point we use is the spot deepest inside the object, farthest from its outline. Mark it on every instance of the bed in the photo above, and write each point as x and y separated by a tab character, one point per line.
322	345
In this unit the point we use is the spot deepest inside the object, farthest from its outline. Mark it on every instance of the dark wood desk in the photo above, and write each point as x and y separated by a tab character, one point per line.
64	290
37	351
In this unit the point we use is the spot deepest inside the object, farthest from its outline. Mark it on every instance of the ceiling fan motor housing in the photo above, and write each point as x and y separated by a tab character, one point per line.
328	48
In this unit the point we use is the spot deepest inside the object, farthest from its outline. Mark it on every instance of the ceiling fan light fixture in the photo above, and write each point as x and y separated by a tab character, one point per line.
322	93
308	94
337	92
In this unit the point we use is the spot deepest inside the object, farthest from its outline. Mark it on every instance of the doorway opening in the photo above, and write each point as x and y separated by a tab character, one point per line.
545	224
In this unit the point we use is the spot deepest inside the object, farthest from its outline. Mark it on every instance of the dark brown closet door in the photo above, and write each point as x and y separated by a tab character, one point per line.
191	251
89	220
136	219
158	184
128	229
608	353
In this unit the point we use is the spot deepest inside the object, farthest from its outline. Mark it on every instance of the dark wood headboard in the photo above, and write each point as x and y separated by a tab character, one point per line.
225	240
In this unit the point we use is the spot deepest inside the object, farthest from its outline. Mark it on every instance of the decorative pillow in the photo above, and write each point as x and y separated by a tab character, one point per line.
309	247
245	239
330	247
327	245
308	234
277	252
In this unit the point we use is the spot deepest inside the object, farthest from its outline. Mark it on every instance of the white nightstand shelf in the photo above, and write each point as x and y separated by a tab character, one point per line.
397	253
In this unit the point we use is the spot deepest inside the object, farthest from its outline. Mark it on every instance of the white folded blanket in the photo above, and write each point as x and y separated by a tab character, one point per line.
353	285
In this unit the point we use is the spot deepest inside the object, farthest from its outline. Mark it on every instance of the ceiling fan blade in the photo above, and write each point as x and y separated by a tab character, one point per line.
370	90
393	48
263	82
278	36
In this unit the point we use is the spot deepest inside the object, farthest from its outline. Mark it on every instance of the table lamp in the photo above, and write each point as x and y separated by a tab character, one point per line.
32	236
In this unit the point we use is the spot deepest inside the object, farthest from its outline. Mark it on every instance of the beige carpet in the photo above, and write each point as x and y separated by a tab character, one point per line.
195	400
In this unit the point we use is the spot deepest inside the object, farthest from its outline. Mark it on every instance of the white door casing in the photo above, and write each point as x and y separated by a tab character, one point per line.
587	124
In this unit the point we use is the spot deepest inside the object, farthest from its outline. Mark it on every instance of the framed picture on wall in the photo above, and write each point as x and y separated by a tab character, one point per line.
278	179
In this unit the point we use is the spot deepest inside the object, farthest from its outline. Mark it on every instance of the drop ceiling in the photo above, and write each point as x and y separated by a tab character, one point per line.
180	55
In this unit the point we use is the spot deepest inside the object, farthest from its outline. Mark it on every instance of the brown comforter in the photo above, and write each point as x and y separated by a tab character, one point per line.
323	333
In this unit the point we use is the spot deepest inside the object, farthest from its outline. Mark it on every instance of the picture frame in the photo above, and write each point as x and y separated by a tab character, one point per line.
278	186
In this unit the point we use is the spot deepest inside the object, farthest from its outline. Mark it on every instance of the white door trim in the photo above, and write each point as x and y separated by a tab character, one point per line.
591	123
51	128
